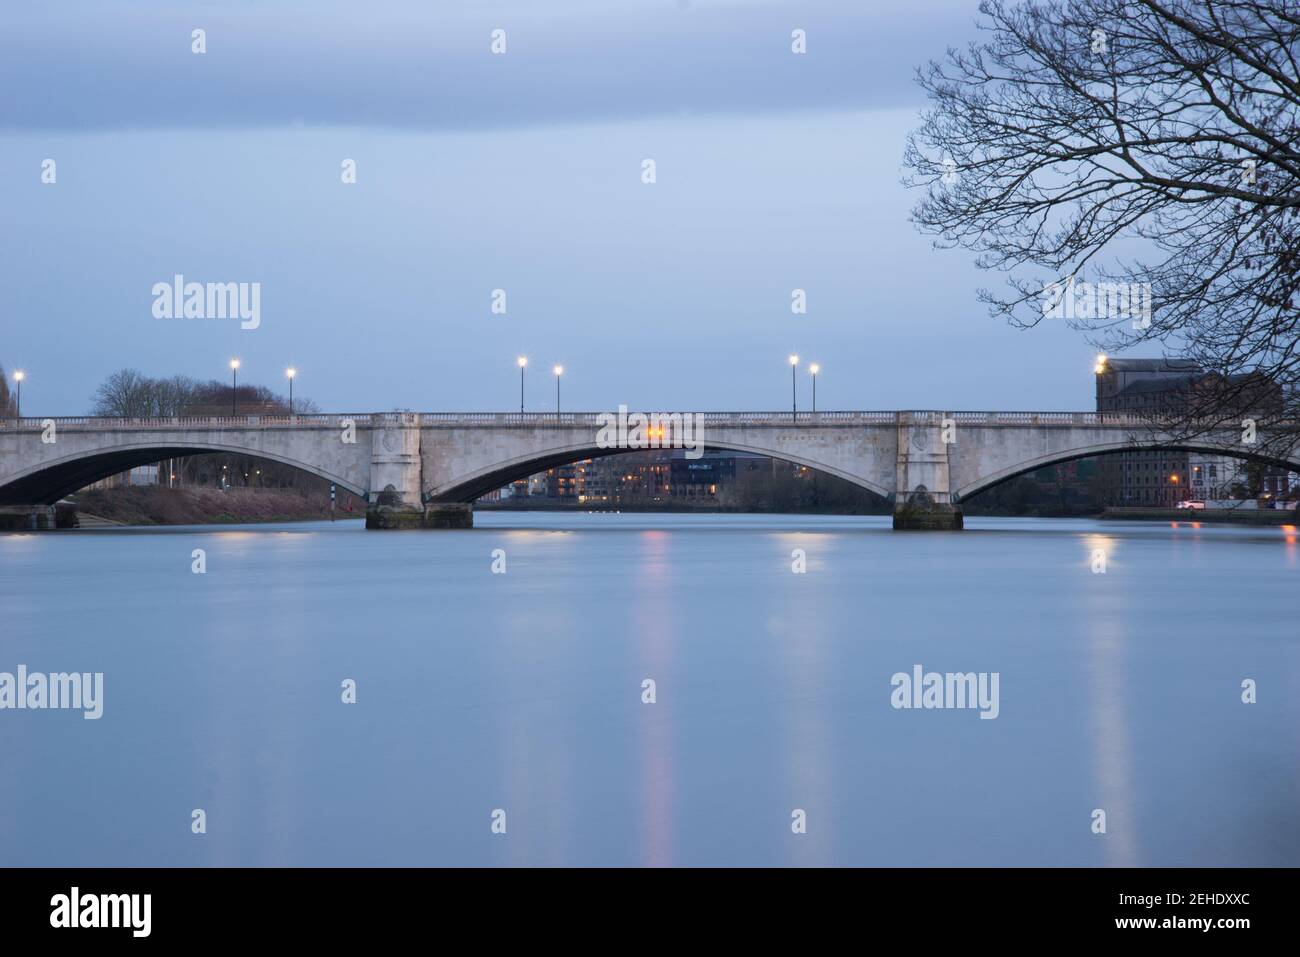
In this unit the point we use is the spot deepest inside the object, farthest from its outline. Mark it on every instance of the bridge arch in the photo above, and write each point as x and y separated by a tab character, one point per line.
468	487
986	482
51	480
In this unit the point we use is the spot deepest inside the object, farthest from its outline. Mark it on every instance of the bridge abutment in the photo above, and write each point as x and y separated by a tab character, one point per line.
37	518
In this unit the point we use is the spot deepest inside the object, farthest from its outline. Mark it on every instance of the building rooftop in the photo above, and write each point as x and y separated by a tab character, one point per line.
1158	385
1151	365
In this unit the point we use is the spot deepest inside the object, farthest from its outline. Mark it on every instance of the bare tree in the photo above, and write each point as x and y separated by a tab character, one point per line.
127	392
1150	146
173	396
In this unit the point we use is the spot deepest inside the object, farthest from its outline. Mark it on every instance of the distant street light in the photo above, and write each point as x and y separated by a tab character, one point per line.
1100	367
289	374
234	383
814	369
559	371
794	401
19	376
523	361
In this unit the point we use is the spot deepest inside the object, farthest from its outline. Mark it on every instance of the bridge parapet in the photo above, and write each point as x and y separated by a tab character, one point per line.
593	419
201	422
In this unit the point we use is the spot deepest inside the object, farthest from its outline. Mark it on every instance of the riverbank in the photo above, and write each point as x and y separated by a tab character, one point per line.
155	505
1230	516
677	507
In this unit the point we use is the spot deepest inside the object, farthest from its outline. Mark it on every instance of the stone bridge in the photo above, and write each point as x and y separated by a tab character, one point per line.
426	469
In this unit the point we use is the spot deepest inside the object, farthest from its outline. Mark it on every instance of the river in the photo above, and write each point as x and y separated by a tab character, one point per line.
515	699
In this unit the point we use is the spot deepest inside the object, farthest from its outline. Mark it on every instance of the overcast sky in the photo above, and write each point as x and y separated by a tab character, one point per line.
477	172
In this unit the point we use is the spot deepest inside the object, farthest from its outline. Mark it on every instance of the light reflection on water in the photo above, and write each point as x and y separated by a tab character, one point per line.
1119	690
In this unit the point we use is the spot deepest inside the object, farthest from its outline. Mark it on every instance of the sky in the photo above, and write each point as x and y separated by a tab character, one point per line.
520	171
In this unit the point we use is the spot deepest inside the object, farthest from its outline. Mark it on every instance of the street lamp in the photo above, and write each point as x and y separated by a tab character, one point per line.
559	371
523	361
289	374
19	376
814	369
794	402
1100	367
234	383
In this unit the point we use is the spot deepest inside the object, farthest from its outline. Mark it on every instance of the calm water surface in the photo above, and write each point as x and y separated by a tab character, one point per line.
522	691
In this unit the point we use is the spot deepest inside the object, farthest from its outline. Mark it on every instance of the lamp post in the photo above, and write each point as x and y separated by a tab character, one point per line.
814	369
234	383
523	362
559	371
289	374
794	401
19	376
1098	370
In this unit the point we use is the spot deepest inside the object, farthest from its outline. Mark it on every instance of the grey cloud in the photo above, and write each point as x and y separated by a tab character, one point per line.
427	66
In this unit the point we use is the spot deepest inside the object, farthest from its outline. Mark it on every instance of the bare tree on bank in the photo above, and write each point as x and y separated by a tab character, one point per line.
131	393
127	392
1153	143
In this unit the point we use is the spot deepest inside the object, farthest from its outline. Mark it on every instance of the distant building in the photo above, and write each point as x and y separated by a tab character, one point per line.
639	478
1174	387
594	481
140	475
702	477
1145	387
562	482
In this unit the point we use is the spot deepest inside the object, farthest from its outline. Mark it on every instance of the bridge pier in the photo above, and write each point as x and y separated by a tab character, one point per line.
922	496
927	517
433	515
448	515
396	495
